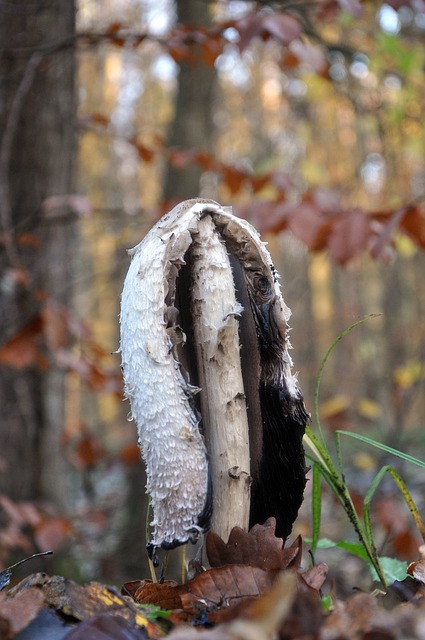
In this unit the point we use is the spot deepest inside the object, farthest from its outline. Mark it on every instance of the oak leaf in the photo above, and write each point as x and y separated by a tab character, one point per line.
260	548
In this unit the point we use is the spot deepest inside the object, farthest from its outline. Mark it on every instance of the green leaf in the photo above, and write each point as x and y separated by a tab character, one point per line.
326	604
392	569
153	612
351	547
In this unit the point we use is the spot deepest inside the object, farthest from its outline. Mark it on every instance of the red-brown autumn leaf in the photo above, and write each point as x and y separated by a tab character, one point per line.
23	349
314	578
242	569
212	47
130	454
145	153
55	325
233	178
259	547
114	27
281	26
413	224
223	589
349	235
99	118
417	570
361	617
309	224
216	592
165	595
20	611
52	533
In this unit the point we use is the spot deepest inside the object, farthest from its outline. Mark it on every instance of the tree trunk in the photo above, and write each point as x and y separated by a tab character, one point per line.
192	125
37	145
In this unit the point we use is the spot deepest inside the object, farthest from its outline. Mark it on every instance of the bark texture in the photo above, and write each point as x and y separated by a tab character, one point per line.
36	161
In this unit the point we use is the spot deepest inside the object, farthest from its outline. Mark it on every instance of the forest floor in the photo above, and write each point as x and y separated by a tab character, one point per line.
255	589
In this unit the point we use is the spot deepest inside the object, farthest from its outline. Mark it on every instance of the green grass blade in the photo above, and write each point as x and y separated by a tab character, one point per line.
384	447
320	451
322	366
404	492
316	506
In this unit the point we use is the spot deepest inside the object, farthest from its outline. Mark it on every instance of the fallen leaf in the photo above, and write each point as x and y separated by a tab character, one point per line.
304	619
314	577
264	616
163	595
212	596
417	570
105	626
20	611
226	586
83	602
358	616
259	547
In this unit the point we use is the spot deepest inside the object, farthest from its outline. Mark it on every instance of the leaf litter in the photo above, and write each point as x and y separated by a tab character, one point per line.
254	589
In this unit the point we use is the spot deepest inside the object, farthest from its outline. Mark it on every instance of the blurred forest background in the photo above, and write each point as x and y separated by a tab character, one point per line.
307	118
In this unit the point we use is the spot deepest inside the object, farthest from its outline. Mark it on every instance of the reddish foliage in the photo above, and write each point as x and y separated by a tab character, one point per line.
349	236
88	452
242	569
319	220
280	26
309	225
28	523
23	349
130	454
48	337
20	611
413	223
260	547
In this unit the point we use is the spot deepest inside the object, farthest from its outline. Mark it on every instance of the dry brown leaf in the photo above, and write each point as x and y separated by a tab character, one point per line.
417	570
212	596
225	587
21	610
107	627
314	577
260	548
264	616
165	595
359	617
